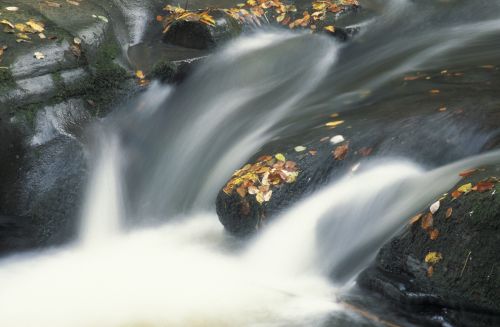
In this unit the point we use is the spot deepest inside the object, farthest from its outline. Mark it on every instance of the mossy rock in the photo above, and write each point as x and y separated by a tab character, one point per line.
466	274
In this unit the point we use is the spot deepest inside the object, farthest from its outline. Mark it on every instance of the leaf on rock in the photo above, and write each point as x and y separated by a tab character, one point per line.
280	157
433	257
449	211
434	233
468	172
341	151
483	187
427	221
38	55
330	28
415	218
36	26
300	148
334	123
435	207
466	188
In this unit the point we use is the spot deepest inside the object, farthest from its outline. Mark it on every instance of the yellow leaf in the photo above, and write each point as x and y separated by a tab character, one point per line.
330	28
319	5
207	19
433	257
37	26
140	74
334	123
23	28
280	157
465	188
281	17
6	22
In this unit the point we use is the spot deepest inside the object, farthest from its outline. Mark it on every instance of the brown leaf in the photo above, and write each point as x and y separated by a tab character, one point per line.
365	152
427	221
468	172
415	218
433	234
341	151
241	191
449	211
430	271
483	187
456	194
434	91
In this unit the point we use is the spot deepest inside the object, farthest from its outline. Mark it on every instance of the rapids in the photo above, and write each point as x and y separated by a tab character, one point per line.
152	252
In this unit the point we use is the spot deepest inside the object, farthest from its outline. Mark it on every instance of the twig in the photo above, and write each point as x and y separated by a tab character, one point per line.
465	264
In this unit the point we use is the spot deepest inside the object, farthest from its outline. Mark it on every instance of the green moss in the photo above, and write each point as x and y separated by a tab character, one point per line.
6	78
164	71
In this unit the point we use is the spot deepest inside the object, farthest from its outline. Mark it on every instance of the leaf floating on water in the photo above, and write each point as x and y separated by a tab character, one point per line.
140	74
433	257
428	221
313	152
52	4
434	207
334	123
449	211
74	3
11	8
430	271
300	148
365	152
435	91
341	152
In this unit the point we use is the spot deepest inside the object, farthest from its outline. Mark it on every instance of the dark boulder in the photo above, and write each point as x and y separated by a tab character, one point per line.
202	34
448	261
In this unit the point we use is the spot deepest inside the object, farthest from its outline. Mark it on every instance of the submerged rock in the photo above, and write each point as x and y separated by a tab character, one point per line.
448	260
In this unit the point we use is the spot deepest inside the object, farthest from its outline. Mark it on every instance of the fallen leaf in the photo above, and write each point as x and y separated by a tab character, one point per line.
38	55
313	152
412	78
280	157
337	139
326	138
466	188
365	151
435	91
140	74
104	19
207	19
434	207
415	218
449	211
430	271
77	41
241	191
74	3
52	4
11	8
6	22
434	234
42	36
468	172
300	148
334	123
483	186
340	152
428	221
456	194
433	257
37	26
330	28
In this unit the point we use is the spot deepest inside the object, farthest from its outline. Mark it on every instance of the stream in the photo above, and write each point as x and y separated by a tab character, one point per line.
151	250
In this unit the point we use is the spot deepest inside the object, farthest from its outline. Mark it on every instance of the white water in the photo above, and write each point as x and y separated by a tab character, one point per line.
188	272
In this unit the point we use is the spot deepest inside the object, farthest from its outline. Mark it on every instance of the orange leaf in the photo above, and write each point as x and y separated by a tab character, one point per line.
434	234
456	194
341	152
415	218
483	186
449	211
427	221
468	172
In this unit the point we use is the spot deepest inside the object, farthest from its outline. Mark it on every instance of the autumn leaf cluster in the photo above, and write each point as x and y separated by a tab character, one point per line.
259	178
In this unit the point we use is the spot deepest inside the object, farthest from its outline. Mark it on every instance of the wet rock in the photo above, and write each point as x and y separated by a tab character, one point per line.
200	35
464	274
401	125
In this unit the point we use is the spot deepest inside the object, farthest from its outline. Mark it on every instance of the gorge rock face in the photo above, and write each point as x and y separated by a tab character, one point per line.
450	265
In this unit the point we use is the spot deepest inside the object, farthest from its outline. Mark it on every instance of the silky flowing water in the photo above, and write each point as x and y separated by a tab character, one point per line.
151	250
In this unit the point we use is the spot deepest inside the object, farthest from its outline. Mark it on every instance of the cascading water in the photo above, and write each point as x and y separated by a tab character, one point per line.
187	272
